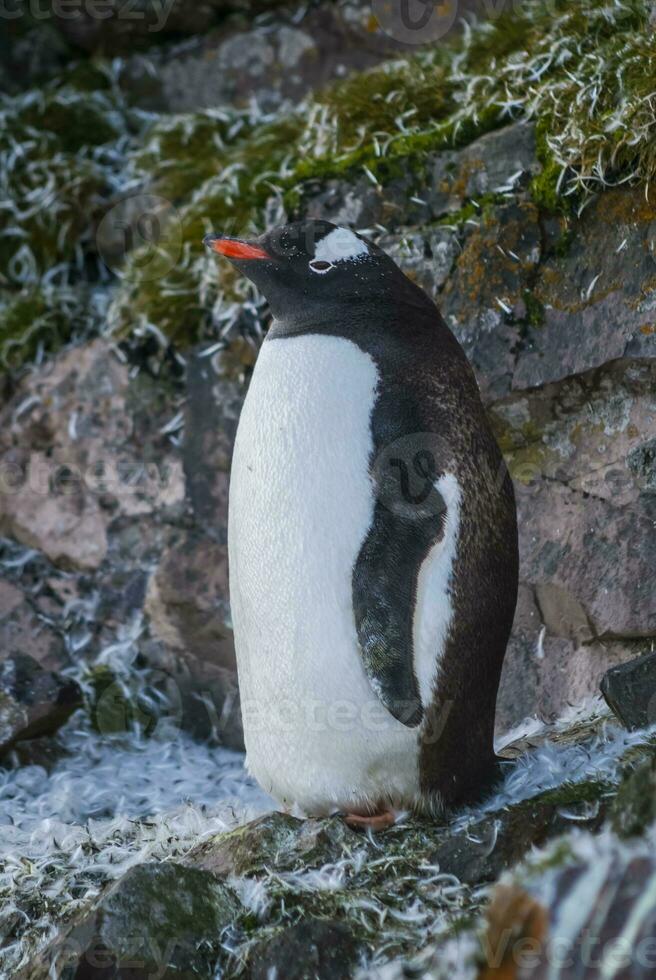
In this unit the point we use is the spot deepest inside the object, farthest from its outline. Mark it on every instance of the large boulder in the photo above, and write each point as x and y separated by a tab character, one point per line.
159	919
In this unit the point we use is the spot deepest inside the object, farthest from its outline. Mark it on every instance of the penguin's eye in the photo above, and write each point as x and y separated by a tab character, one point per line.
321	267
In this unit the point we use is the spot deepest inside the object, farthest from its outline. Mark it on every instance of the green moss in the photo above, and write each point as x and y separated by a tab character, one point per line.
559	854
545	186
183	151
41	319
483	208
168	918
570	793
116	705
221	169
534	309
229	201
54	174
86	76
634	808
78	120
505	34
408	94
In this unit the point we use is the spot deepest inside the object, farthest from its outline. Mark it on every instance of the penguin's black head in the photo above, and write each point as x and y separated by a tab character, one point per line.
308	268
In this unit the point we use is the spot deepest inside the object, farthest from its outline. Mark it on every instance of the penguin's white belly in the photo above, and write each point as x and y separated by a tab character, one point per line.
301	503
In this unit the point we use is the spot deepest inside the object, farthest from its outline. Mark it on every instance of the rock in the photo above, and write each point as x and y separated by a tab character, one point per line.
33	701
80	445
187	599
22	630
316	950
630	690
499	161
162	920
516	301
275	840
483	301
200	697
215	395
596	301
426	258
281	59
634	807
354	204
65	523
578	451
490	846
122	595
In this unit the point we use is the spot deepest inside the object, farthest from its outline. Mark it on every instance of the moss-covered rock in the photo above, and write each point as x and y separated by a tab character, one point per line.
42	319
318	948
57	161
276	840
486	848
634	807
161	919
230	172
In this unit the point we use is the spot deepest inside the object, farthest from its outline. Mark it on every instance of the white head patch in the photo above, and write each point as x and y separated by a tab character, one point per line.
341	245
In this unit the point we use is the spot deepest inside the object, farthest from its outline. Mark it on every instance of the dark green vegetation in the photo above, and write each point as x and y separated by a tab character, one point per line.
66	152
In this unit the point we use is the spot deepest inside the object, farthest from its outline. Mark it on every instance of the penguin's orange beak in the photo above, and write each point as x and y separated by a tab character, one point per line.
234	248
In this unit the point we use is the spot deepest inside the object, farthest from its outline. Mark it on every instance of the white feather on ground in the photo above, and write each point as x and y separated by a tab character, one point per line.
113	802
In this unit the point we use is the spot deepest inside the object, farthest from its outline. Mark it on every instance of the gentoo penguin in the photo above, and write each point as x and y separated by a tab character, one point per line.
372	538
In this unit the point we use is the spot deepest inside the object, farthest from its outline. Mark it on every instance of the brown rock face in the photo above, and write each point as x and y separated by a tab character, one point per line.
74	455
22	630
95	485
187	599
579	451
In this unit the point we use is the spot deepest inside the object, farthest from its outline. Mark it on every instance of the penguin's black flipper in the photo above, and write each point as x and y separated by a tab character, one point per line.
384	590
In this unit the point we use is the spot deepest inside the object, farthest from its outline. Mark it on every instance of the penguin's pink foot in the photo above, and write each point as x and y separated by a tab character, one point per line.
375	822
